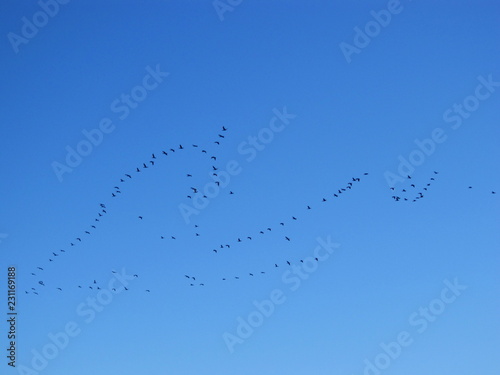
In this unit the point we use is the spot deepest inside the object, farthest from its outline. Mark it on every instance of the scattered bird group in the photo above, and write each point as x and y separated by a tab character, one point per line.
412	192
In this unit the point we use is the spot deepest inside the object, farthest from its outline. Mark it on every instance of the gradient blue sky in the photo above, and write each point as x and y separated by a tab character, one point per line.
351	118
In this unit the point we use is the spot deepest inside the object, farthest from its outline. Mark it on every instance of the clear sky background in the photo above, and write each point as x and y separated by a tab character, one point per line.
351	118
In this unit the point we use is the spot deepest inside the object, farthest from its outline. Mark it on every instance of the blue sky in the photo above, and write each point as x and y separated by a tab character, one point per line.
420	76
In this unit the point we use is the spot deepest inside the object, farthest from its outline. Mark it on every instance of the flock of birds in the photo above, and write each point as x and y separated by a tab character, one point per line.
410	193
117	190
269	229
